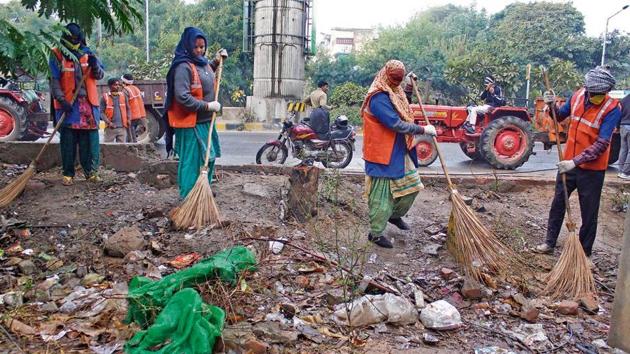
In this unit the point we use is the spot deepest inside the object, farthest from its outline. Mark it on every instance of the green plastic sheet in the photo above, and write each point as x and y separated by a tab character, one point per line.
172	314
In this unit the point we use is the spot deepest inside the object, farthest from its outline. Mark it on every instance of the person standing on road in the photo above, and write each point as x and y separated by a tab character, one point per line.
594	116
115	112
80	125
190	104
492	96
392	179
624	131
319	97
136	105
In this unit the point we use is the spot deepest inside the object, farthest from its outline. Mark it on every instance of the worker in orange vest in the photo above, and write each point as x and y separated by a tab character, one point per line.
81	116
594	116
115	112
391	163
136	103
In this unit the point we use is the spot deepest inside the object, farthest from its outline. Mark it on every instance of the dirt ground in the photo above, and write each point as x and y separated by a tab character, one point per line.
69	225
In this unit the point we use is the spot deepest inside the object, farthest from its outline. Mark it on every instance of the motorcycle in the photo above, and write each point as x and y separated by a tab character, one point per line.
334	149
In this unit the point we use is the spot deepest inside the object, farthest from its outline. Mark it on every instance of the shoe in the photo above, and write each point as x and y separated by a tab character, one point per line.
399	223
623	176
67	181
469	128
543	248
94	178
380	240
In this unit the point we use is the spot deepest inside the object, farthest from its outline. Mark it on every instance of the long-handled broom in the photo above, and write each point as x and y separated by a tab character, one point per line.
469	241
199	208
13	189
571	276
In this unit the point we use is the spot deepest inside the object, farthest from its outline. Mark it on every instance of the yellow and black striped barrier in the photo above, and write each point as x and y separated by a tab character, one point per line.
296	106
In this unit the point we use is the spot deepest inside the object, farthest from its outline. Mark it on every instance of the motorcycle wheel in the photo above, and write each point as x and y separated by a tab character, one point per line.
343	150
271	154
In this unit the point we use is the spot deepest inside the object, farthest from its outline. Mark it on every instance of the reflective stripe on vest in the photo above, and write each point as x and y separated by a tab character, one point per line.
68	80
136	103
109	108
178	115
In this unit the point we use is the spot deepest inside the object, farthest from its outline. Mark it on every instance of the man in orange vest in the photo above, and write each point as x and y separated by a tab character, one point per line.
136	104
594	116
115	112
81	115
392	181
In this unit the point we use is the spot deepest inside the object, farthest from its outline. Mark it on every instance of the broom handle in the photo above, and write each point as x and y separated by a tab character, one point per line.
214	114
61	119
435	143
570	224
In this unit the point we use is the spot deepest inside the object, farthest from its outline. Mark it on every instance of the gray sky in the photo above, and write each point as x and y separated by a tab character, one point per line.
372	13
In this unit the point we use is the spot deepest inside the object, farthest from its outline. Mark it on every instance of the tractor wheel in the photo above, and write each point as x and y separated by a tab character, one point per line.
154	129
427	153
506	142
615	146
12	120
474	155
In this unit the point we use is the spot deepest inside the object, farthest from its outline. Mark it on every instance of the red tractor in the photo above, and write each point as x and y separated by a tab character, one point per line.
22	116
504	137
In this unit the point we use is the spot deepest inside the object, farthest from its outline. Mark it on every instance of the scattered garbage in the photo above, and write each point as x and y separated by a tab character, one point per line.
371	309
441	316
532	335
184	260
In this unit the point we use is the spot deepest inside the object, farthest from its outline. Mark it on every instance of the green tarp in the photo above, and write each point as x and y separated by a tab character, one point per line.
172	314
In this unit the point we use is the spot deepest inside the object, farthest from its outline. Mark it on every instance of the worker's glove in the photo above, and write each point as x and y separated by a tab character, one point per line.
429	130
549	97
213	106
221	53
412	76
66	106
565	166
92	61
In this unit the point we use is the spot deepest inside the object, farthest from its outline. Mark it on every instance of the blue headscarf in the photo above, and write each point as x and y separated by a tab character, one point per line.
183	54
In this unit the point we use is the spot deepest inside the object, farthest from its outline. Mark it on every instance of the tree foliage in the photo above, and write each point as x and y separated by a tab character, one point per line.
348	94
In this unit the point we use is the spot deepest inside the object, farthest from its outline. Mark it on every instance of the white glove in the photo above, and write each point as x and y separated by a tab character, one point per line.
213	106
412	76
549	97
565	166
221	53
429	130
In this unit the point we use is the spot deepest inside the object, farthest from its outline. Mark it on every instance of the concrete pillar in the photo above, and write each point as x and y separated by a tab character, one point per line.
620	320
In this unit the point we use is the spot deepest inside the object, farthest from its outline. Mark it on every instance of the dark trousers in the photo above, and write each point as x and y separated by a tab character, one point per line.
71	139
589	187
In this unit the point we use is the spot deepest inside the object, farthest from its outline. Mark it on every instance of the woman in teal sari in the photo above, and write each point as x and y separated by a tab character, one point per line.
190	104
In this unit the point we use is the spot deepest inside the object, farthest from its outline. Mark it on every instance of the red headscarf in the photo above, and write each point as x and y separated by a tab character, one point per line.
388	80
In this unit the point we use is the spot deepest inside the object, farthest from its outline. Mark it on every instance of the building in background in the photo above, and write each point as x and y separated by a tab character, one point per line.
342	41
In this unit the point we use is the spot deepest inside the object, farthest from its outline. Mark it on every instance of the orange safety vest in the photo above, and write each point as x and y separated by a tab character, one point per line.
584	129
109	107
67	79
136	104
378	140
178	115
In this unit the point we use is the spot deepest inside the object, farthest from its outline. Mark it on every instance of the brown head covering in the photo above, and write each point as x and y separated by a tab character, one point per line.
388	80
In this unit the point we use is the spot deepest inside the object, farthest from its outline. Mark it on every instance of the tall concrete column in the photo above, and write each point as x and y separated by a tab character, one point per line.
619	334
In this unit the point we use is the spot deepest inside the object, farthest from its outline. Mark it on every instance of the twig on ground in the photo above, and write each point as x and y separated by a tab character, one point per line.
6	334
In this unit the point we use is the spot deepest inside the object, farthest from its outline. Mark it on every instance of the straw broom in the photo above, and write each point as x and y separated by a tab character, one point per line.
199	208
469	241
13	189
571	276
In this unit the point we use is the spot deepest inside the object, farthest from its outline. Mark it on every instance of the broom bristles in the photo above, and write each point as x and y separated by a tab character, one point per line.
473	245
13	189
571	277
198	209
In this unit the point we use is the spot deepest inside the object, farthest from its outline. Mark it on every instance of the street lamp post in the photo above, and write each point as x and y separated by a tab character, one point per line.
146	27
606	32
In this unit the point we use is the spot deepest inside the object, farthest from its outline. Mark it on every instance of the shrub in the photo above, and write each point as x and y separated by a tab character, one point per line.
352	112
348	94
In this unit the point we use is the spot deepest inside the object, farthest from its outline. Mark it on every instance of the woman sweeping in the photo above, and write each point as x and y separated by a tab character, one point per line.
190	104
392	181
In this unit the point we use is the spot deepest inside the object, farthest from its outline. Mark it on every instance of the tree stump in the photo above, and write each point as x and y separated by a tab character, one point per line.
302	198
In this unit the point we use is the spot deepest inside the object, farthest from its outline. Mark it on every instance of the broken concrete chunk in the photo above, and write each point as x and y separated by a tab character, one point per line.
569	308
27	267
493	350
256	190
124	241
589	304
441	316
447	273
471	289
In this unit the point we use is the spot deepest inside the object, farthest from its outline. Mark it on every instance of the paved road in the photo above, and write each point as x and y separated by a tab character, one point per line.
240	148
